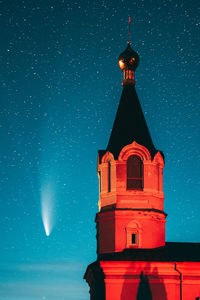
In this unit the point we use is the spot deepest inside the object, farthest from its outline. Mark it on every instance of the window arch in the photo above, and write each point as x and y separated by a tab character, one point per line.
135	171
133	234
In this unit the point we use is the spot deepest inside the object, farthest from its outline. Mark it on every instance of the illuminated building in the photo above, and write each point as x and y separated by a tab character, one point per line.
133	259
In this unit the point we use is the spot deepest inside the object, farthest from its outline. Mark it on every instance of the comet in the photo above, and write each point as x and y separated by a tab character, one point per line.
47	208
46	223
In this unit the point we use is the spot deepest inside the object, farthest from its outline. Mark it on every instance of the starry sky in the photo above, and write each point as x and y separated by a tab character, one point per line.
60	86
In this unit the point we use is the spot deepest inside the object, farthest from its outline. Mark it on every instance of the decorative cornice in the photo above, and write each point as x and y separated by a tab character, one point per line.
134	149
108	156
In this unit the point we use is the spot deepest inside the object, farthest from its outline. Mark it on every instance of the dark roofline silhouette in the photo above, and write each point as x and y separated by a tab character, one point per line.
129	124
171	252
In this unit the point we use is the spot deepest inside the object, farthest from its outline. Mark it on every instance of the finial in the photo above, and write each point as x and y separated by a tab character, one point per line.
128	61
129	22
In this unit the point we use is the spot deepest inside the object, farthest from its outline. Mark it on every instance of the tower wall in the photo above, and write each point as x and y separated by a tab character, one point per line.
113	183
117	227
130	218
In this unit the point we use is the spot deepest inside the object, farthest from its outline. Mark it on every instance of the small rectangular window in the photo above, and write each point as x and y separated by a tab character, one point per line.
133	240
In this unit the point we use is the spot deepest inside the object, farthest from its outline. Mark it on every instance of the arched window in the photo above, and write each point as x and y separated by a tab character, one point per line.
133	235
135	177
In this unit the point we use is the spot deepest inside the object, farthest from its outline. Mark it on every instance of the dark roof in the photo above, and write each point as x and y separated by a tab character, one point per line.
130	124
171	252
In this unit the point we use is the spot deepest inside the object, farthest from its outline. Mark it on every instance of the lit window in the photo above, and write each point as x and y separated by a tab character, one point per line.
134	173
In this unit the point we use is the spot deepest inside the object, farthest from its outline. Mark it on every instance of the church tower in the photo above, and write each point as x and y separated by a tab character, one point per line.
133	260
130	173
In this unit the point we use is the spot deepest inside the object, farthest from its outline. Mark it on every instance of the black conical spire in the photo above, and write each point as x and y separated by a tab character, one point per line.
130	124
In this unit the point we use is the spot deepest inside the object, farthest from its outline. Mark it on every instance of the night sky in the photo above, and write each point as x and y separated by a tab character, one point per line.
60	86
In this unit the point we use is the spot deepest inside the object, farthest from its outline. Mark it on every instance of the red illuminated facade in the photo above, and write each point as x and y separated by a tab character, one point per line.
133	259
